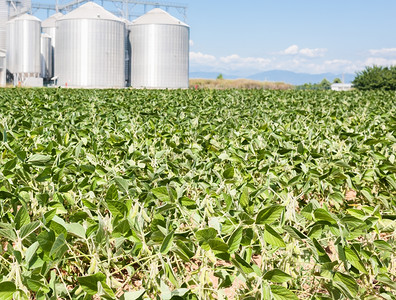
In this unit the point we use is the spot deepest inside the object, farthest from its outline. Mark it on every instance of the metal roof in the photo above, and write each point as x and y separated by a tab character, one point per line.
26	17
50	22
158	16
90	10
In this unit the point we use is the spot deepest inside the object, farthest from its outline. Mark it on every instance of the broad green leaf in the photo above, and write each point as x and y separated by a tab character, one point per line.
22	218
353	258
116	207
28	229
76	229
161	193
294	233
277	276
272	237
269	215
229	173
383	278
282	293
38	159
323	215
235	240
59	247
31	251
89	283
167	243
346	284
7	289
382	245
218	245
323	257
206	234
122	183
112	193
244	198
240	263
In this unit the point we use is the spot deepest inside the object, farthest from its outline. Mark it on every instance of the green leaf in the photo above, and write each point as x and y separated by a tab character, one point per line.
22	218
382	245
240	263
122	183
235	240
76	229
277	276
7	289
294	233
323	257
59	247
269	215
218	245
112	193
38	159
346	284
353	258
323	215
282	293
206	234
384	279
116	207
167	243
272	237
31	251
229	173
89	283
137	295
161	193
28	229
244	198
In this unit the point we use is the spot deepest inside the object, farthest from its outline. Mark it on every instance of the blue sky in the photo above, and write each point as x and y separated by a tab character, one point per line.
311	36
246	37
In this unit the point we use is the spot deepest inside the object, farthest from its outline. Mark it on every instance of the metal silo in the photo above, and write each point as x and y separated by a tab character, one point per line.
10	45
159	51
48	26
3	21
3	69
26	48
46	56
90	48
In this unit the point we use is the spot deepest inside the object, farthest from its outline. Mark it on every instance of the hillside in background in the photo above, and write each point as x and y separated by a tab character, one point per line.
279	76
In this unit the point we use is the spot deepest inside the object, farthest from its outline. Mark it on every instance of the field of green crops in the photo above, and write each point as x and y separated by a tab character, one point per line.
197	194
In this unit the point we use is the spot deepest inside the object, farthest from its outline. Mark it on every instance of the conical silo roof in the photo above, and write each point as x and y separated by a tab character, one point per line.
50	22
26	17
158	16
90	10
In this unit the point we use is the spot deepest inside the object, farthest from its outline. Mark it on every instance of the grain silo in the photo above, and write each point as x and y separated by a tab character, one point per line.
90	48
159	51
3	21
46	56
26	50
10	45
48	26
3	69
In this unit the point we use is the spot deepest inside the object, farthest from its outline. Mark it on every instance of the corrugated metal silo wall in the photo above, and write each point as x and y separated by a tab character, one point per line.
90	53
46	57
3	21
27	46
10	46
160	56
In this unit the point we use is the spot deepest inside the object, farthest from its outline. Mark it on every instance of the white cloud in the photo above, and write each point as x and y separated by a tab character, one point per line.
307	52
293	49
202	59
232	62
317	52
379	61
383	52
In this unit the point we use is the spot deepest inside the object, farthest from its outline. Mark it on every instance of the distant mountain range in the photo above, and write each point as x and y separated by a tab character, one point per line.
280	76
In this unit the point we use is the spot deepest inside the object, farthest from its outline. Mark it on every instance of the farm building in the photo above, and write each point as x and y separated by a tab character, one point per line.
341	86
